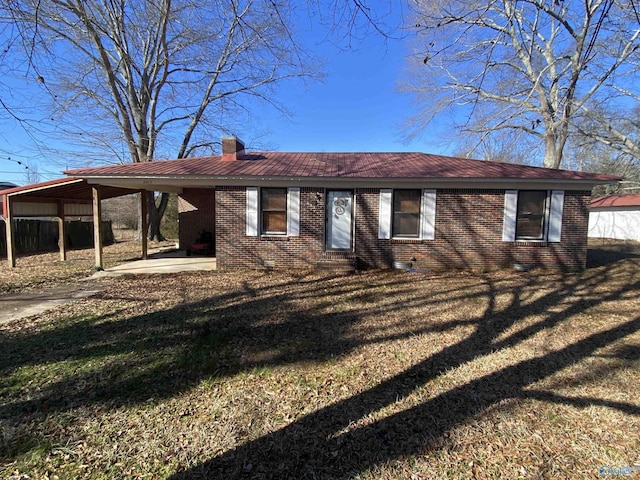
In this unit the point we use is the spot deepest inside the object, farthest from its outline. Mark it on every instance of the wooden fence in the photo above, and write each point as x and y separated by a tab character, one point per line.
42	235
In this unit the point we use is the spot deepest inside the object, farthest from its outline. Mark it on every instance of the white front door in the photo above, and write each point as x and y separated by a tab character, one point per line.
339	219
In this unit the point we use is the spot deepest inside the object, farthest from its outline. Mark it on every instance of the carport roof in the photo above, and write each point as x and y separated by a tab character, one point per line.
63	189
66	189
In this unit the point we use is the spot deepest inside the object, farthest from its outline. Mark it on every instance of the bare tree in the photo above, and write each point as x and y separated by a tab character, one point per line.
500	146
159	76
31	173
349	19
622	165
617	128
590	153
122	211
534	66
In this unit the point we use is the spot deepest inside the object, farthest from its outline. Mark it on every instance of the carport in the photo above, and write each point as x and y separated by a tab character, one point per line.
66	197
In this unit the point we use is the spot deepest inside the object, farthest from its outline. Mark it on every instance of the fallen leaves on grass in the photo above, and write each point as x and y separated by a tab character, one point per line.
377	375
46	269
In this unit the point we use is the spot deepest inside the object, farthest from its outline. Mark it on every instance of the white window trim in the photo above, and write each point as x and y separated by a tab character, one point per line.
556	214
253	223
253	214
385	214
293	211
428	215
554	206
510	216
427	219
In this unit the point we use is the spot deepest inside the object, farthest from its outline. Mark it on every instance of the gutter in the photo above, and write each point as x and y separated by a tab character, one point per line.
176	184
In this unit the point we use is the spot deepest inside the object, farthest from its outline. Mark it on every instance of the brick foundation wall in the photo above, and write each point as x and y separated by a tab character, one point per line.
468	234
196	212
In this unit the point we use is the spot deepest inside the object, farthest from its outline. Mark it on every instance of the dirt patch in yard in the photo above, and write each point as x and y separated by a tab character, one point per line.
378	375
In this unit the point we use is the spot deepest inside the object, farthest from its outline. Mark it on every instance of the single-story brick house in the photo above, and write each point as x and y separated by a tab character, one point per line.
615	216
285	209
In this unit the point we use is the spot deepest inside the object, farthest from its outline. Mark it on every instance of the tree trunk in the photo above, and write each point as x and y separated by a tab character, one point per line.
552	154
156	212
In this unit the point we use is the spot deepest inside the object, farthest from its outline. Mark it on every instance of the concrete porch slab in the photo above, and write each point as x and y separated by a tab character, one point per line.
166	262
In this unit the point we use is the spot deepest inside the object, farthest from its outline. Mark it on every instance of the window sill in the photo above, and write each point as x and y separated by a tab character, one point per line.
274	238
539	243
406	240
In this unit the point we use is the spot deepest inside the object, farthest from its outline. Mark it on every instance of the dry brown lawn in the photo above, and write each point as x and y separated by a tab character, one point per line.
46	269
379	375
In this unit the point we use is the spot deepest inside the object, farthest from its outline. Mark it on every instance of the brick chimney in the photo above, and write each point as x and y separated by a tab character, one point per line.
232	148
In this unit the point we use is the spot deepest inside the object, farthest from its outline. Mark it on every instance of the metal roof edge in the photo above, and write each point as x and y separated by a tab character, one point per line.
41	186
148	181
625	200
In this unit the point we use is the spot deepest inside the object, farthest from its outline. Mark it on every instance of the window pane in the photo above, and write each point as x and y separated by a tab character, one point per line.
406	224
531	202
407	201
273	206
530	227
274	199
274	222
406	213
531	213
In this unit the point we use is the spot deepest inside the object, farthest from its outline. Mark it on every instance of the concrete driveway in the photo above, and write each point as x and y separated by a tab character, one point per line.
15	307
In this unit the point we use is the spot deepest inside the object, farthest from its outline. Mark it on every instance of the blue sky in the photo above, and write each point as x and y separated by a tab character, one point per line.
357	107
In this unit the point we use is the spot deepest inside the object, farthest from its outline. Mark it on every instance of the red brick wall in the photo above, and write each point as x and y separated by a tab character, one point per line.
235	249
468	234
196	212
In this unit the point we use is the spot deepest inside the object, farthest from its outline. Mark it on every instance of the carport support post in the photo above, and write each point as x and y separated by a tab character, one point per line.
11	245
61	231
97	225
144	224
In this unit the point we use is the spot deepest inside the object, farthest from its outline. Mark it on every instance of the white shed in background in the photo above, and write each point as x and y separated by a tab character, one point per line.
615	216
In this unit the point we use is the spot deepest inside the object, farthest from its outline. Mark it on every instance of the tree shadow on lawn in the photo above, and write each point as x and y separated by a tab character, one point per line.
160	354
119	359
601	255
315	447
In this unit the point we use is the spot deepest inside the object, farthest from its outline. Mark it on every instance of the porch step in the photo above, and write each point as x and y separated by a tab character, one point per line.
336	266
337	262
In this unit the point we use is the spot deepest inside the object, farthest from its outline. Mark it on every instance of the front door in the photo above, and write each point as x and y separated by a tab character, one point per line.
339	219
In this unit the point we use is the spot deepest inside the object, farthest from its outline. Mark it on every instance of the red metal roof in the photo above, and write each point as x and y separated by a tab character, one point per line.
629	200
349	165
37	186
63	188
